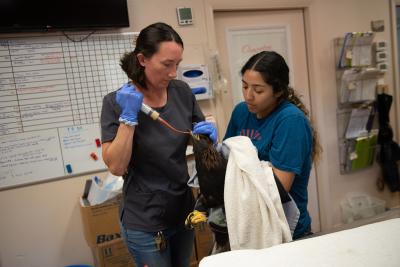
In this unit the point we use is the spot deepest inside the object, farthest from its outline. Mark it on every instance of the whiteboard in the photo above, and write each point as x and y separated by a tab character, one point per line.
51	91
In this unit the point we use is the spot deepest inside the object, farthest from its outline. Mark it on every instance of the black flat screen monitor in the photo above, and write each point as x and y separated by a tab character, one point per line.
45	15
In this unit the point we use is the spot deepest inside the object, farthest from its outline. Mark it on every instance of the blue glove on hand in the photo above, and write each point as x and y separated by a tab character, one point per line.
206	128
130	102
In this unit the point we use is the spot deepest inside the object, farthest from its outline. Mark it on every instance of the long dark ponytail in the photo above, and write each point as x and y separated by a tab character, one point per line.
275	72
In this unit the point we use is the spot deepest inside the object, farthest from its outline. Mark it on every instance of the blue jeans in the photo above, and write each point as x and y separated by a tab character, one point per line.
142	247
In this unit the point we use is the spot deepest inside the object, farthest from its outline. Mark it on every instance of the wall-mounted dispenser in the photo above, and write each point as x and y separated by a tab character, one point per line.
197	76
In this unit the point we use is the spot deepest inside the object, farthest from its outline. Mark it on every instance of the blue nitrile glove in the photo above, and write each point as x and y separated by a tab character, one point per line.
206	128
130	100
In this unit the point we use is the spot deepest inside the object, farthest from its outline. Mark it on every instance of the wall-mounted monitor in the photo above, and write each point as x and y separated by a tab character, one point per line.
44	15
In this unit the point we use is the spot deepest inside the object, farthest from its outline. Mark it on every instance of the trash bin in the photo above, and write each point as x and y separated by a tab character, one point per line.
360	206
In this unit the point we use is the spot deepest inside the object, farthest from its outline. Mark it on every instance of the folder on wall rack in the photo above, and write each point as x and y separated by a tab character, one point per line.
364	152
358	85
358	123
343	59
356	50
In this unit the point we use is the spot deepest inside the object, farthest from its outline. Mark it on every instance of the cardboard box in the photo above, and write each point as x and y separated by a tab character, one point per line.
102	233
193	258
194	264
101	222
204	240
112	253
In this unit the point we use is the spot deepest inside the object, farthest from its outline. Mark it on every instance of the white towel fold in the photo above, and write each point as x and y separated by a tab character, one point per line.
254	212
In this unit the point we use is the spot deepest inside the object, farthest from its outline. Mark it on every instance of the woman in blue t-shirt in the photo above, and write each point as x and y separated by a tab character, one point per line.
278	124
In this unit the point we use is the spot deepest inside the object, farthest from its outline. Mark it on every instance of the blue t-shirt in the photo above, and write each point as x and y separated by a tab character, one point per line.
284	138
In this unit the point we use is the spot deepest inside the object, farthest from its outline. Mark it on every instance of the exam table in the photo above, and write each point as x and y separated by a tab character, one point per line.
373	242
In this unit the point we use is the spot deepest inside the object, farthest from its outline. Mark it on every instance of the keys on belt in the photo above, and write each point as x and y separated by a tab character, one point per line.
161	242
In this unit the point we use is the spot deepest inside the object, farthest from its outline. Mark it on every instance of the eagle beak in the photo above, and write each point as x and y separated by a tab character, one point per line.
195	136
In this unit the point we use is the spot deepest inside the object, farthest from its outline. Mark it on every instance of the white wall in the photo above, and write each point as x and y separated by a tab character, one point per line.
40	224
327	20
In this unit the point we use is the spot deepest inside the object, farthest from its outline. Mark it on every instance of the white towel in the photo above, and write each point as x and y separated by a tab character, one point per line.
254	212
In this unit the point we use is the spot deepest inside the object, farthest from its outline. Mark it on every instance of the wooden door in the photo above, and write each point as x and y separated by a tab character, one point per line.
241	34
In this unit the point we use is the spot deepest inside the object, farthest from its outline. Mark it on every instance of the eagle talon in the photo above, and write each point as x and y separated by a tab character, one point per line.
194	218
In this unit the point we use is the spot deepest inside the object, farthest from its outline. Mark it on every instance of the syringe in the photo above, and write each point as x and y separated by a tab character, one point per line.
146	109
149	111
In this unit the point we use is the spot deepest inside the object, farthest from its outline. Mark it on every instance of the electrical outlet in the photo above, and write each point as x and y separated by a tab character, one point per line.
20	261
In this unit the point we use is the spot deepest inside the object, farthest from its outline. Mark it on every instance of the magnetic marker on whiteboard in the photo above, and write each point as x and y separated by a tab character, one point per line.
98	143
93	156
69	168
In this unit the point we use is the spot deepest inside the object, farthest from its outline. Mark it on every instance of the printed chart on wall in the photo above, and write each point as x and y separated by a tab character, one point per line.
51	92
